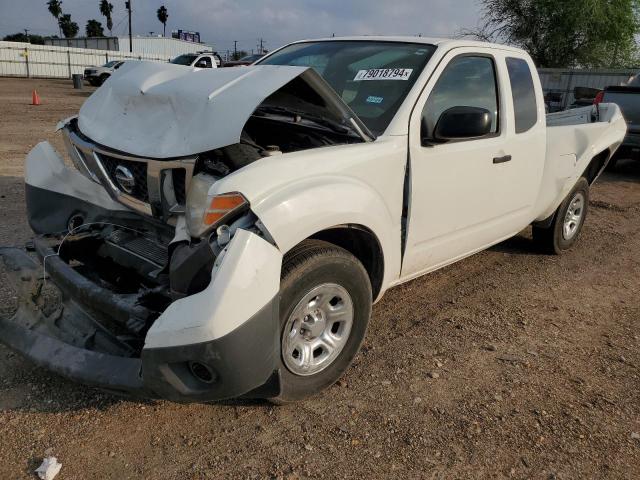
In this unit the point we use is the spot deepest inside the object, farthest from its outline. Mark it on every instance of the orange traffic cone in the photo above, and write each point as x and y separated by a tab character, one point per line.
35	98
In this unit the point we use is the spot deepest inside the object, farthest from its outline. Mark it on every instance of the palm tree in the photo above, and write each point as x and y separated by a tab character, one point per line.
69	28
163	15
94	29
105	10
55	8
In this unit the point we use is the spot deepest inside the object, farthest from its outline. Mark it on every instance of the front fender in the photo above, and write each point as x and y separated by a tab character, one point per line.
299	210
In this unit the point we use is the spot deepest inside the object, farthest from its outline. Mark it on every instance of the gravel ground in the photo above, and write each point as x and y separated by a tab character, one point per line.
508	364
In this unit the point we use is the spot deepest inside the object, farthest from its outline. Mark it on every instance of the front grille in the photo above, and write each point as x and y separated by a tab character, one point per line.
153	187
179	185
137	169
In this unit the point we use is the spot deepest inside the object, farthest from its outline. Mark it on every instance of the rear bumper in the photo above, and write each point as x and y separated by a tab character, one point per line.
71	341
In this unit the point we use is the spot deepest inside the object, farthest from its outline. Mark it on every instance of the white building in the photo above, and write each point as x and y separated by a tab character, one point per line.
165	46
142	45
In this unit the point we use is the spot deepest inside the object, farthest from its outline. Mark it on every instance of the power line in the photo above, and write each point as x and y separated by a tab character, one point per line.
128	5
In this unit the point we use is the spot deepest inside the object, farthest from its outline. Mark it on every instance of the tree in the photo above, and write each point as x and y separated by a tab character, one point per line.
21	37
105	10
69	28
163	15
94	29
567	33
55	9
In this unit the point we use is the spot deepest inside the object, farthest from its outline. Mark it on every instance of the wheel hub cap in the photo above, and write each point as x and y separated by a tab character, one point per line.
573	216
317	329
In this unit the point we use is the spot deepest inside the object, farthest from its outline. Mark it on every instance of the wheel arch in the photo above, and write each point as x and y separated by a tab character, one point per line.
343	211
597	165
363	244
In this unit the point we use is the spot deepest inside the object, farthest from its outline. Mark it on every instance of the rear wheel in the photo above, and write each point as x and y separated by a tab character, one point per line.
567	224
325	305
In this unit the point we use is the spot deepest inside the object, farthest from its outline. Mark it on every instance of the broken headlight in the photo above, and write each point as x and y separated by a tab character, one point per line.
205	212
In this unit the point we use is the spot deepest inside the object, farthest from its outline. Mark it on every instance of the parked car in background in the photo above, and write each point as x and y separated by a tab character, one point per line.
244	61
199	60
584	96
628	99
96	76
224	233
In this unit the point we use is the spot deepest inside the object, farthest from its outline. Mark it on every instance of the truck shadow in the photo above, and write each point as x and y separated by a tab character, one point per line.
521	244
31	389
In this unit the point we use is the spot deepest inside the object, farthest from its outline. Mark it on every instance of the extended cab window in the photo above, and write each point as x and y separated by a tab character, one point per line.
466	82
524	94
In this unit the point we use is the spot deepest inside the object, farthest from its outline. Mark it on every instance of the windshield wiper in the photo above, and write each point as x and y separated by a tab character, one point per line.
323	122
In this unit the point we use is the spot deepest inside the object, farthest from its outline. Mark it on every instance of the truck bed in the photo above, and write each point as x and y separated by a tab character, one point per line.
574	138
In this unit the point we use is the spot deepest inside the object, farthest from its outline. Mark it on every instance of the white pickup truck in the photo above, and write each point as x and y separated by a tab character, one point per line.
96	76
224	232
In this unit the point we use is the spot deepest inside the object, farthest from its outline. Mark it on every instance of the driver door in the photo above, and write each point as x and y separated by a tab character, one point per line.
465	194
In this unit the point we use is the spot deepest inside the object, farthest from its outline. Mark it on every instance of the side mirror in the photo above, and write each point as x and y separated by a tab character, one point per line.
459	123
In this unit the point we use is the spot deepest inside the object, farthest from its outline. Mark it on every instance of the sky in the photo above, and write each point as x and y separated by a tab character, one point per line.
278	22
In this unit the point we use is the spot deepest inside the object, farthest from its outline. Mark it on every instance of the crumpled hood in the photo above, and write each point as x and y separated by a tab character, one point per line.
158	110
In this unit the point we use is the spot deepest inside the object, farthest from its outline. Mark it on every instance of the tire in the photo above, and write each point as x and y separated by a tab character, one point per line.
567	223
325	273
103	78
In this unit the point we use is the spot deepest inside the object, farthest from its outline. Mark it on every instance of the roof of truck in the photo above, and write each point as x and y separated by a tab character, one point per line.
448	42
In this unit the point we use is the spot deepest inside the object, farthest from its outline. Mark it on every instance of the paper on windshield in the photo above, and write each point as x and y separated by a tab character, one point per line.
383	74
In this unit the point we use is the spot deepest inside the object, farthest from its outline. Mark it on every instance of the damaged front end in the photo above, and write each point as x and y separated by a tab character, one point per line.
117	299
143	278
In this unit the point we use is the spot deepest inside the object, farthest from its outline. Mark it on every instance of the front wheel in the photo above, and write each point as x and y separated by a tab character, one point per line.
103	78
325	305
567	224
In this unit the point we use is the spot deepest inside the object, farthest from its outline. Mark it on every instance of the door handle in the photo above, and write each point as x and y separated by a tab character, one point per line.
506	158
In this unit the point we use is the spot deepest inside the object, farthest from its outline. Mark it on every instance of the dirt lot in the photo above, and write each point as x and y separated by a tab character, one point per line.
508	364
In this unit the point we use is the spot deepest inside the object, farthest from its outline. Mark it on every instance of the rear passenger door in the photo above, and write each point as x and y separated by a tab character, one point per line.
470	193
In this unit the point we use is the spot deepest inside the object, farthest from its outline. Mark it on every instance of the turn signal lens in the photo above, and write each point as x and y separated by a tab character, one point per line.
223	205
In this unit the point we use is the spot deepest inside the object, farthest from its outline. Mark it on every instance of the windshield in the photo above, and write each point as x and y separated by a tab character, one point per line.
251	58
110	64
184	59
373	78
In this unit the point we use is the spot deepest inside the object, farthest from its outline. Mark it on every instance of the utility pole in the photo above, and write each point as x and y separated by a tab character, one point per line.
261	46
26	34
127	4
235	49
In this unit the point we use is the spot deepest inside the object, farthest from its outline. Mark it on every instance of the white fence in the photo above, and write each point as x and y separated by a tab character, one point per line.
45	61
559	84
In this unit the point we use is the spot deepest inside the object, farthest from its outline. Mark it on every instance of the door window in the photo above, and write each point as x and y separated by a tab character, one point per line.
468	81
524	94
204	62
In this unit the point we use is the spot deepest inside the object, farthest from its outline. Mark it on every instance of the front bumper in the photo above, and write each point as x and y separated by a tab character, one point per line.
119	337
71	340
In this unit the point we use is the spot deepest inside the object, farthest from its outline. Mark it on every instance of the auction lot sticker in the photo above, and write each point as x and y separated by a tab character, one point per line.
383	74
